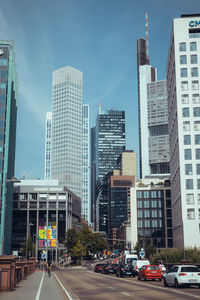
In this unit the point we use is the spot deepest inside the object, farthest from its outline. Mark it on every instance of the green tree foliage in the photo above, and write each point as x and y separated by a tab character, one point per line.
176	255
28	248
71	239
78	250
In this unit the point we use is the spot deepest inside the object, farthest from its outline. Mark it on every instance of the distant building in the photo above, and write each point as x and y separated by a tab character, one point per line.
183	86
66	148
127	163
110	142
8	116
86	205
93	175
44	210
47	163
151	215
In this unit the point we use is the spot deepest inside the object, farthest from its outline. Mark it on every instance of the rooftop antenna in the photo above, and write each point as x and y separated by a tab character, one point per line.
99	108
147	36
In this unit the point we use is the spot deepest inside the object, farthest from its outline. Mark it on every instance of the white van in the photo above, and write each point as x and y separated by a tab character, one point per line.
137	264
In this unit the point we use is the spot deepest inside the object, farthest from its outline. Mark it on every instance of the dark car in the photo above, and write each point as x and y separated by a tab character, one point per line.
115	266
125	270
98	267
107	269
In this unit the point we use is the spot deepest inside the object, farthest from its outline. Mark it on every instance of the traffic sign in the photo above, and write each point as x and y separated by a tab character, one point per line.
142	253
44	255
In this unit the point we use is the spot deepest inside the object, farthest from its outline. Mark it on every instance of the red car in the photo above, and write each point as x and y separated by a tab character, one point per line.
98	267
150	272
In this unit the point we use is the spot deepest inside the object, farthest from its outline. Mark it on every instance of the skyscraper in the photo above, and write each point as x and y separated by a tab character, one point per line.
66	160
47	164
153	117
183	76
85	206
8	115
110	142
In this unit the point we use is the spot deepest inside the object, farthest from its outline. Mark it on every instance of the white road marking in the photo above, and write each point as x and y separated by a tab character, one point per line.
66	292
126	294
99	283
39	289
110	287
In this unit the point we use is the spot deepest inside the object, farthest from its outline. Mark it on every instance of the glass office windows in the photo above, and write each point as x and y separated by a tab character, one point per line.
154	213
146	214
197	139
196	125
187	139
188	169
154	223
194	72
185	112
193	46
182	46
183	59
189	184
187	154
139	213
154	204
146	204
198	169
193	59
140	224
186	125
183	72
147	223
190	214
198	184
196	111
185	99
184	85
197	153
195	98
190	198
139	204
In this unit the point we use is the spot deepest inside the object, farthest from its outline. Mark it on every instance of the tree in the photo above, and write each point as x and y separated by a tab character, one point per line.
71	239
174	255
28	248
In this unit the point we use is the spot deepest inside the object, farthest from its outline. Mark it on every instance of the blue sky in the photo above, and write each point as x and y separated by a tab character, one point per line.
97	37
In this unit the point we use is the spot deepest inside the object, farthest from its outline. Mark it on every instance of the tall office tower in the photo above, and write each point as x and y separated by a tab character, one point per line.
127	163
66	154
110	142
93	174
86	205
153	117
8	116
183	76
47	164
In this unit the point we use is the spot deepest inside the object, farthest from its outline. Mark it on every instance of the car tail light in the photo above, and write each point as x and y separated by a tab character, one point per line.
198	274
106	268
122	269
182	274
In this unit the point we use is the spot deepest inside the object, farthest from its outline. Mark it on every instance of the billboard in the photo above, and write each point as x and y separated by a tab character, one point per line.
47	235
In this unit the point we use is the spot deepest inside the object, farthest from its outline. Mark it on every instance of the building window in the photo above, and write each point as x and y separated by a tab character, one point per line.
197	139
154	204
139	213
183	59
139	194
3	62
197	153
185	99
2	86
198	169
184	85
154	214
199	213
186	125
187	140
146	214
195	85
23	196
139	204
33	196
194	72
183	72
196	111
198	184
146	204
198	197
193	59
190	214
190	198
196	125
188	169
140	225
147	223
154	223
182	46
193	46
195	98
189	184
185	112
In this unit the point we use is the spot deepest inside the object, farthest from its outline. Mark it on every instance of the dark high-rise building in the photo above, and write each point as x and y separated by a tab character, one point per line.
8	115
93	173
110	142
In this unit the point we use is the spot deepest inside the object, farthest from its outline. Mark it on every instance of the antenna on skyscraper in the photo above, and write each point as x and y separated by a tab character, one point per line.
147	36
99	108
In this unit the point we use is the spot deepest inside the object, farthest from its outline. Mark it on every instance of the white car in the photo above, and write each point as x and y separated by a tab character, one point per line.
182	275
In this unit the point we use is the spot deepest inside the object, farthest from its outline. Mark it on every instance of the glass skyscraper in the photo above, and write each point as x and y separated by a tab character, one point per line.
47	164
8	115
85	206
66	154
110	143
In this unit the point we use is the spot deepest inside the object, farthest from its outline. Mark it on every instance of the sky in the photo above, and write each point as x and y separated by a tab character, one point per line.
97	37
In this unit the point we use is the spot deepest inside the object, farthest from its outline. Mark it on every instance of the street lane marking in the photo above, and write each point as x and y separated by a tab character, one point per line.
66	292
110	287
99	283
39	289
126	294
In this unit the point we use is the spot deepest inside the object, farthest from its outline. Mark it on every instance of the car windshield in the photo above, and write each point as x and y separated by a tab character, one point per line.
153	268
190	269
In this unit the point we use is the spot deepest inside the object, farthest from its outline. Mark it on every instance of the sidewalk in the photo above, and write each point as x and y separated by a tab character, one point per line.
37	286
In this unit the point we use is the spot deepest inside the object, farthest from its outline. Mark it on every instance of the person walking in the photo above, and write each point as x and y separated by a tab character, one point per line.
49	265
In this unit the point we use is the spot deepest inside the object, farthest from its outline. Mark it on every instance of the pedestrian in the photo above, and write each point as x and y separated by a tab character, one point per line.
49	265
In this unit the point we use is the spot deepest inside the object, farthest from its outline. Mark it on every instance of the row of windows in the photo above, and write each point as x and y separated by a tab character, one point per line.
196	127
148	204
189	171
189	184
191	214
149	194
184	72
185	98
193	46
193	59
150	214
188	154
190	198
186	112
194	85
149	223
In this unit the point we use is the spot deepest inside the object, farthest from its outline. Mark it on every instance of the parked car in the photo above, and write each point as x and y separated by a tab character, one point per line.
125	270
182	275
150	272
137	264
114	266
98	267
107	269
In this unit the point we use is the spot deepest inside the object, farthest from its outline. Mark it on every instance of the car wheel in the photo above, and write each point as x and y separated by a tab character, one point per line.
176	283
145	278
116	275
160	279
165	282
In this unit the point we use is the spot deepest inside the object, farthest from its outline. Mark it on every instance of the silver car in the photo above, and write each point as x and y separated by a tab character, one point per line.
182	275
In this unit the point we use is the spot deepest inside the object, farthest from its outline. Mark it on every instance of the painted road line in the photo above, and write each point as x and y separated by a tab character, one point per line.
39	289
66	292
126	294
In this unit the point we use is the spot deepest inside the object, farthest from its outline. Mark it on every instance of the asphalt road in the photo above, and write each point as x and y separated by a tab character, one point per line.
85	284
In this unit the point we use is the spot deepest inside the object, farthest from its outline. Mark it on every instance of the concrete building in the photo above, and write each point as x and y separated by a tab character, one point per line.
8	116
183	76
47	160
93	175
127	163
151	217
43	209
85	203
66	154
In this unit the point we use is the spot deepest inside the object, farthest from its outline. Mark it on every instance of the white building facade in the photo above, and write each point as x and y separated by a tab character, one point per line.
66	154
85	204
47	164
183	76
